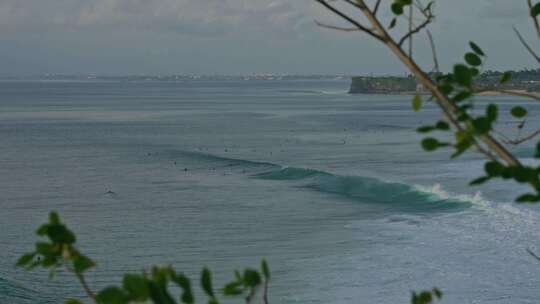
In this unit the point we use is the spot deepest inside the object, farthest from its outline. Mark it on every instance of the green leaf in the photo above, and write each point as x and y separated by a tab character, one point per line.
417	103
446	88
481	125
464	142
112	295
506	77
49	261
493	168
518	112
492	112
42	230
206	282
158	291
58	233
425	129
528	198
461	96
82	263
26	259
397	8
442	125
462	75
537	154
237	275
136	287
233	289
54	218
437	293
252	278
473	59
265	269
535	10
392	23
431	144
185	284
479	181
476	49
524	174
46	249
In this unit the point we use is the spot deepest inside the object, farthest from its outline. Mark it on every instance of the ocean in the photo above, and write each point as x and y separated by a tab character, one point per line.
332	189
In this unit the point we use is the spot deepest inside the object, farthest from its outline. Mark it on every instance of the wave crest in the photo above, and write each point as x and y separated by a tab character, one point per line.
369	190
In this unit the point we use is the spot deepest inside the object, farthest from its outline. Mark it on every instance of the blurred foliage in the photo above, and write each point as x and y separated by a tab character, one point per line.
147	287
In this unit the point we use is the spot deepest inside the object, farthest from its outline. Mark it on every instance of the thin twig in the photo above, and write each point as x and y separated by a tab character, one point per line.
337	28
531	95
83	283
526	45
411	10
433	51
87	289
522	139
415	30
250	296
265	294
349	19
376	8
534	255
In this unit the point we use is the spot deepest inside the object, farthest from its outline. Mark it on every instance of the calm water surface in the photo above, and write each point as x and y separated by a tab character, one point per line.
332	189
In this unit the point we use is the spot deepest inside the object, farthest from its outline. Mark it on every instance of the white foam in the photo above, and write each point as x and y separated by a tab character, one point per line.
504	216
436	190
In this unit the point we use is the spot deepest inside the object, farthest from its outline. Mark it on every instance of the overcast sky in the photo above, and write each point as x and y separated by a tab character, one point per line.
235	37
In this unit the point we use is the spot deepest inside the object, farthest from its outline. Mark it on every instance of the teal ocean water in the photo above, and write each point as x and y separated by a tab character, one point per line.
333	189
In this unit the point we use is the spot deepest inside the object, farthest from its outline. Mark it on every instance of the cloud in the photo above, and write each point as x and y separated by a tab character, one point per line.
504	9
187	17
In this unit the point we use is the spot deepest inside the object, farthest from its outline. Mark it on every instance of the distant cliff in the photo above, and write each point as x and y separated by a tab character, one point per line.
382	85
525	80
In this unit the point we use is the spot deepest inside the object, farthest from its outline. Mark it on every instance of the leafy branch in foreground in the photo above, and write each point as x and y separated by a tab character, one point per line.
453	92
152	286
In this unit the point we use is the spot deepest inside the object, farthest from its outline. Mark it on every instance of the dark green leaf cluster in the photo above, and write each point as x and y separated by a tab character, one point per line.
426	296
153	287
150	287
535	10
458	87
146	287
58	251
247	282
521	174
398	6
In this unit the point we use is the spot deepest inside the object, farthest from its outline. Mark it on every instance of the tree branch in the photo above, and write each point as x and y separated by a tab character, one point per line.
411	11
415	30
265	294
534	255
526	45
337	28
376	8
349	19
433	52
522	139
83	283
531	95
442	100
